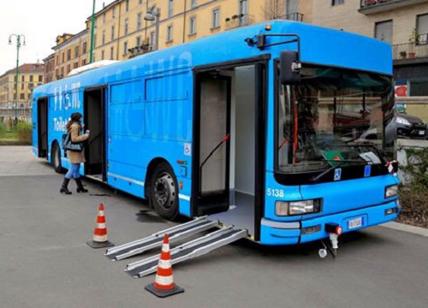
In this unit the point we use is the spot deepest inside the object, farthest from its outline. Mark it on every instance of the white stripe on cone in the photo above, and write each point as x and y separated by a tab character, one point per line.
100	213
99	238
164	281
101	225
164	264
165	247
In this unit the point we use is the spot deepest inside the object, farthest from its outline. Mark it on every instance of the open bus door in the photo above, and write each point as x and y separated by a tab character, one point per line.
229	144
42	126
94	120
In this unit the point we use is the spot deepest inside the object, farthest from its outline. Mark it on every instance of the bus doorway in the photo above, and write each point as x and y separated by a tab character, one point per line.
42	128
230	145
94	120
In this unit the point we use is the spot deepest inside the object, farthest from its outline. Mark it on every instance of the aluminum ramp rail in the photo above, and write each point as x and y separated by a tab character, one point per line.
189	250
182	231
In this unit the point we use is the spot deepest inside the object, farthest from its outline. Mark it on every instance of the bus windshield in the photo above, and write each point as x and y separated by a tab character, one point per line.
332	117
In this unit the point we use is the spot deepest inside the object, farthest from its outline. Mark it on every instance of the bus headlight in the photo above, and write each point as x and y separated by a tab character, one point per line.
391	191
289	208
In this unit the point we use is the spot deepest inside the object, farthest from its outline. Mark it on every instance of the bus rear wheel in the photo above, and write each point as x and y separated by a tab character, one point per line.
164	192
56	159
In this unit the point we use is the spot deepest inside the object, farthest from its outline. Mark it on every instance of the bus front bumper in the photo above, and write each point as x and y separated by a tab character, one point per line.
289	233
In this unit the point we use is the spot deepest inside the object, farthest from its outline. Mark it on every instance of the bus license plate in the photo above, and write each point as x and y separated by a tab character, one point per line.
355	223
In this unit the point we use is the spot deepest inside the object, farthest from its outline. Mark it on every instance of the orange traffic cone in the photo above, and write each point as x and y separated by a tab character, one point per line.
164	285
99	238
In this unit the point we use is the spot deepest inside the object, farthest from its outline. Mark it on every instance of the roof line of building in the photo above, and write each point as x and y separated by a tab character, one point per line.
70	39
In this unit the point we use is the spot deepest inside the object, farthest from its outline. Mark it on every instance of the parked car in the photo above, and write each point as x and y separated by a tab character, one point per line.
408	126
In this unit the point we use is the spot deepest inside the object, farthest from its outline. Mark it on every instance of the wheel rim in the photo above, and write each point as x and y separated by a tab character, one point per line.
164	190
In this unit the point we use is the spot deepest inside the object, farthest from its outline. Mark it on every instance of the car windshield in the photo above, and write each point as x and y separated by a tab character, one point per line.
332	117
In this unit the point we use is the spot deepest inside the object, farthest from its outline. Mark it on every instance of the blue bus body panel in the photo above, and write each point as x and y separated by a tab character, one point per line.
149	112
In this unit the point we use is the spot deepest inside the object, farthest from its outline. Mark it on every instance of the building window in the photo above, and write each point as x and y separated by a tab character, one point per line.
76	64
337	2
104	18
31	78
243	11
76	51
194	3
113	12
215	19
84	62
127	5
112	53
192	25
102	54
68	68
422	29
112	33
138	43
84	47
140	1
40	78
170	8
139	20
125	48
22	96
126	26
103	38
383	31
68	54
169	33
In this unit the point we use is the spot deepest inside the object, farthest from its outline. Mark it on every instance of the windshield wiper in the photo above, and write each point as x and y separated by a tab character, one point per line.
339	164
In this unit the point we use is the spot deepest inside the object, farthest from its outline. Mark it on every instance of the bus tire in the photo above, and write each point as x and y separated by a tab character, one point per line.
163	191
56	158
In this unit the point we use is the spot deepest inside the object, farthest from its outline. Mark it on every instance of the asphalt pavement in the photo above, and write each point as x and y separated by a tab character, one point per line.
45	262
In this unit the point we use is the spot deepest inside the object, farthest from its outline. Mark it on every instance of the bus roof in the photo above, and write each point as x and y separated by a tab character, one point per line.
319	45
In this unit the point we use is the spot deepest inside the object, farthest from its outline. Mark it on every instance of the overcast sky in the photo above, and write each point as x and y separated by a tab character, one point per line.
40	21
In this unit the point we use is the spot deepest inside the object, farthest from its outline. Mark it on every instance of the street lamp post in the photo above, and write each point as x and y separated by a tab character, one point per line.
154	15
91	49
20	41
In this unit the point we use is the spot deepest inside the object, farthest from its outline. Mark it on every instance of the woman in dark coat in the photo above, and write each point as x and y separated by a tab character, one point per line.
74	127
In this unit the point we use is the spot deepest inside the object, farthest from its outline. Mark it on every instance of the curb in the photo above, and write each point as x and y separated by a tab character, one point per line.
406	228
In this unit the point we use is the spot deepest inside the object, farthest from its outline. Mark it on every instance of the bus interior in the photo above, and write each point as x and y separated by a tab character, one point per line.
94	119
227	144
42	133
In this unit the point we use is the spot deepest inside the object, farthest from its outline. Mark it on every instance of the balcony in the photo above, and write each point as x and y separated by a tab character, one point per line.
293	16
411	52
241	20
368	7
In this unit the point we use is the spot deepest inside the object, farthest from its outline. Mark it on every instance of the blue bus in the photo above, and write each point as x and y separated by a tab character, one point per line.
277	128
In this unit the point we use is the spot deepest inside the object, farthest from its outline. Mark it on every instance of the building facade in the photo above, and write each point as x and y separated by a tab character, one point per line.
402	23
49	62
30	76
70	52
122	31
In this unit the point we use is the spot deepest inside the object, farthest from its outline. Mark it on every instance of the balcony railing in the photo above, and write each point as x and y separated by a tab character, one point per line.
241	20
377	6
410	51
293	16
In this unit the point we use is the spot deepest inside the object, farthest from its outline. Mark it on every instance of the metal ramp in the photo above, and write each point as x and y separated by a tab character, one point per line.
189	250
182	231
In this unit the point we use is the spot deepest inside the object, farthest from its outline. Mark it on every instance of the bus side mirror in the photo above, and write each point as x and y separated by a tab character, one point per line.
290	67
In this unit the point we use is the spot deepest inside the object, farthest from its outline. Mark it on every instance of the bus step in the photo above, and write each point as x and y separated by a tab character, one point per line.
189	250
181	231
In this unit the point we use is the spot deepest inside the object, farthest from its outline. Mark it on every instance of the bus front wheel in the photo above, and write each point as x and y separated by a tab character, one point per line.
56	158
164	192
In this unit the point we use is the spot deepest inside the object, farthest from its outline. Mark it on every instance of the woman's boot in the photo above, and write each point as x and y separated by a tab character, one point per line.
64	187
80	188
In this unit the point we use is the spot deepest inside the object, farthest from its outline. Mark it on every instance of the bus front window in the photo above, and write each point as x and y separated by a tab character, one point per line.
333	117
